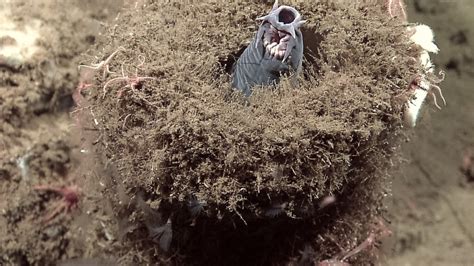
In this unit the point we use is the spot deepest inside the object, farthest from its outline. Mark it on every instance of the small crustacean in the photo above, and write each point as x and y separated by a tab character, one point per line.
277	48
69	201
378	232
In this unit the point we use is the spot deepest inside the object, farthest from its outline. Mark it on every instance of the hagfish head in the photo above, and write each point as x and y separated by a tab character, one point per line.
279	32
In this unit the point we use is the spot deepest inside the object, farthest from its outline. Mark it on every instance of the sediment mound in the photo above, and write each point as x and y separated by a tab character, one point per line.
234	181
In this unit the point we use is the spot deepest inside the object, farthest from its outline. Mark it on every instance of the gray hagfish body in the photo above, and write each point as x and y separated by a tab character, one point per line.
276	49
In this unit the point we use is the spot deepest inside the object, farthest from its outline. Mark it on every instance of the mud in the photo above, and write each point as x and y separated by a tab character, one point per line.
35	135
432	197
122	203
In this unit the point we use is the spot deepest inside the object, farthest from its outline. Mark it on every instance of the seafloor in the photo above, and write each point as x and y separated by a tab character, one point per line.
430	210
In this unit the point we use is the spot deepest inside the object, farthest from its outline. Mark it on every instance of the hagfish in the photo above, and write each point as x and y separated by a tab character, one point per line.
276	49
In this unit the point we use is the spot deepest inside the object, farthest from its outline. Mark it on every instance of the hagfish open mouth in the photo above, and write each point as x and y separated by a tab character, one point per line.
276	43
276	49
278	31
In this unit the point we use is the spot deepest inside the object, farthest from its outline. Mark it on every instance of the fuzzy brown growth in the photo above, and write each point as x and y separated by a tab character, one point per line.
184	134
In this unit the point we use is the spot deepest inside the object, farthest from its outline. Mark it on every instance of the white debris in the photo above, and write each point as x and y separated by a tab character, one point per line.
424	37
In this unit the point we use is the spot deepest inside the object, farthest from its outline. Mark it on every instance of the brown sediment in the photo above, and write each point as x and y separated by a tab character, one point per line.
430	216
35	98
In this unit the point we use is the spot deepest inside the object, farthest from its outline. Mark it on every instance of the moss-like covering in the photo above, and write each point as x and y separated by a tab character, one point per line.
183	137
